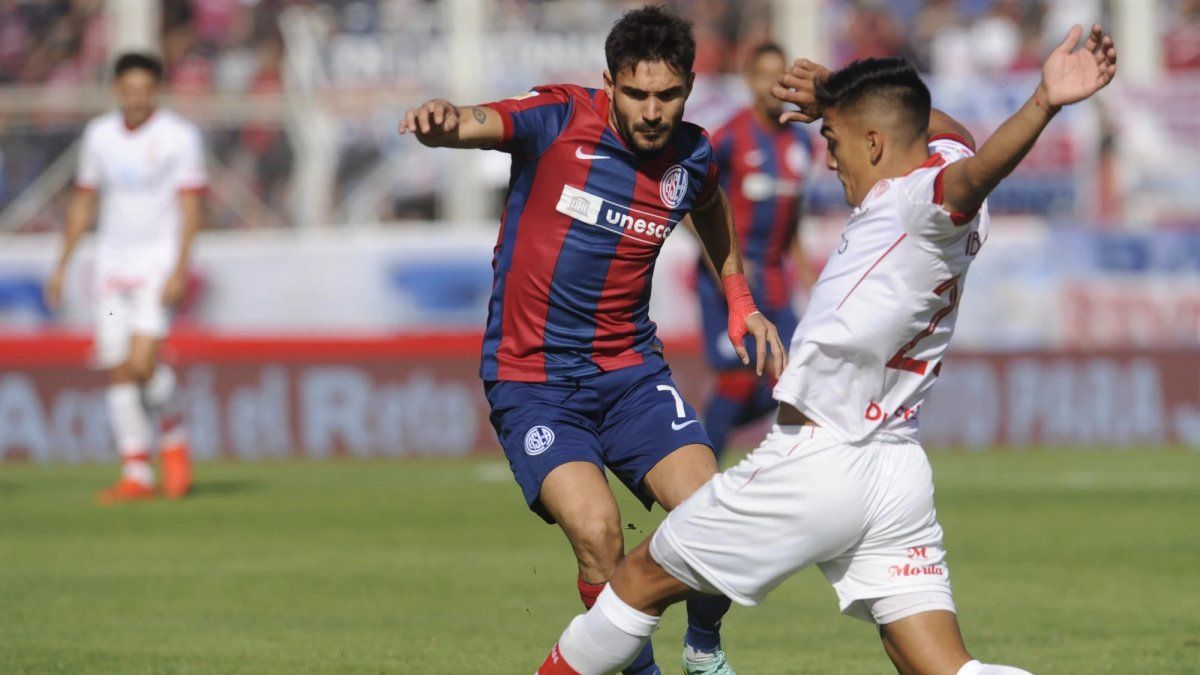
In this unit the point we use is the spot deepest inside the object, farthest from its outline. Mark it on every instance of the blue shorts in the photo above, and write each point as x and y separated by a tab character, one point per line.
627	420
714	315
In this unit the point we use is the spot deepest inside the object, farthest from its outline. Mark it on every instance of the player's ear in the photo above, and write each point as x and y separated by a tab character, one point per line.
690	80
608	84
874	147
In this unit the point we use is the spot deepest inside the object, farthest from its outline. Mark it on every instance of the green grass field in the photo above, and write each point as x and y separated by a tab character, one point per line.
1062	563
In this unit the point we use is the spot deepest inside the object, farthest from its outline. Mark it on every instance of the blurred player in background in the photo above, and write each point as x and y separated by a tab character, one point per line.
572	368
142	168
842	481
762	163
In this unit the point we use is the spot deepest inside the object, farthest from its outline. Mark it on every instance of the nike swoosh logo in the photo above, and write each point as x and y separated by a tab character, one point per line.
677	426
583	155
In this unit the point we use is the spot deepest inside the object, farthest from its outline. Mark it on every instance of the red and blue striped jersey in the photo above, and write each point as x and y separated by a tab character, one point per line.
762	172
583	223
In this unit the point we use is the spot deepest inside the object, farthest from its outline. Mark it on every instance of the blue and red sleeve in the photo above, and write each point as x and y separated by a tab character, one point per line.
534	120
722	142
712	180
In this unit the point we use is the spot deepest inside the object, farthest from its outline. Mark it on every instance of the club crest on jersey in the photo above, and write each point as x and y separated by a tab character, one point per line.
538	440
673	186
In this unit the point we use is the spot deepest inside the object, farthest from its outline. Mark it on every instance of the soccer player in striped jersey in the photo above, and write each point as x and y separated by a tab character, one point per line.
841	481
762	163
571	365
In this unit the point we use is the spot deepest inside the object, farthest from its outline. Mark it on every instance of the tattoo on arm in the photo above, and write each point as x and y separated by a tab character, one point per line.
480	116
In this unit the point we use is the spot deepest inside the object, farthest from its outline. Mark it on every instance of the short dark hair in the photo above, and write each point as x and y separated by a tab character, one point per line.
761	50
650	33
893	82
138	61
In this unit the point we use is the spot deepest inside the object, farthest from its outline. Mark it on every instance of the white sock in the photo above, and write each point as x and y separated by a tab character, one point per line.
607	638
158	391
158	394
977	668
131	429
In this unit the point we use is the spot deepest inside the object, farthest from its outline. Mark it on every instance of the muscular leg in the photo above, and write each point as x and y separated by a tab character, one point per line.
930	643
127	416
625	615
577	496
143	357
644	585
671	481
675	477
159	397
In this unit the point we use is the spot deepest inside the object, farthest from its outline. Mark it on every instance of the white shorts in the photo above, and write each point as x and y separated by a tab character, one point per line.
127	304
863	513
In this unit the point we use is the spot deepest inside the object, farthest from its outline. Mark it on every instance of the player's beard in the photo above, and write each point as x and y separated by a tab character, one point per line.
661	139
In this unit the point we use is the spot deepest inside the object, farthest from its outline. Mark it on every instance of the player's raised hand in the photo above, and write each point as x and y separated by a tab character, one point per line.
799	86
1070	75
431	118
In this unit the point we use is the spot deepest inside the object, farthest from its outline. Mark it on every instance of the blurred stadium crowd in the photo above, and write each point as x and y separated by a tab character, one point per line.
380	50
325	224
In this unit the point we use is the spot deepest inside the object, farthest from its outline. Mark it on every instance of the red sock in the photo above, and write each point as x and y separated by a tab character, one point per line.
555	664
589	592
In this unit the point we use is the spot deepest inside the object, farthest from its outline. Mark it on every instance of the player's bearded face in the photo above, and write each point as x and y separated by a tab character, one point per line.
647	104
137	95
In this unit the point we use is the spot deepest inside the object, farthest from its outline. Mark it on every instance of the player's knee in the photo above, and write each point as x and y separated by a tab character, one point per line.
598	545
122	373
640	563
142	372
140	368
644	584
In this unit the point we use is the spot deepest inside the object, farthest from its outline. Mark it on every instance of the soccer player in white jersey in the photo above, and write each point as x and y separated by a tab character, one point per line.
142	168
841	481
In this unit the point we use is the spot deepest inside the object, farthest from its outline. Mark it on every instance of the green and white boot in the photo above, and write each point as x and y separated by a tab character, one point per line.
705	663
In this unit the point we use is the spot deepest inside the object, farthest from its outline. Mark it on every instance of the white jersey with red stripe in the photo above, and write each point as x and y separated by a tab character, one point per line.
139	174
881	314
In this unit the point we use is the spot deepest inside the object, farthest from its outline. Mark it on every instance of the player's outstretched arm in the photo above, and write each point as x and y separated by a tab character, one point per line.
1069	75
441	124
714	225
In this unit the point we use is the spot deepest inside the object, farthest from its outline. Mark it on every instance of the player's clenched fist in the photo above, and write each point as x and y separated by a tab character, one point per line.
432	118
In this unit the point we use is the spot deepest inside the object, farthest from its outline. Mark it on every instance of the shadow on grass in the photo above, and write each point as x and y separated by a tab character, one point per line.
223	488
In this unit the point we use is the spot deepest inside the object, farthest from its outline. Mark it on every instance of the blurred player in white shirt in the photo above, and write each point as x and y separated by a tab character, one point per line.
142	168
842	481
